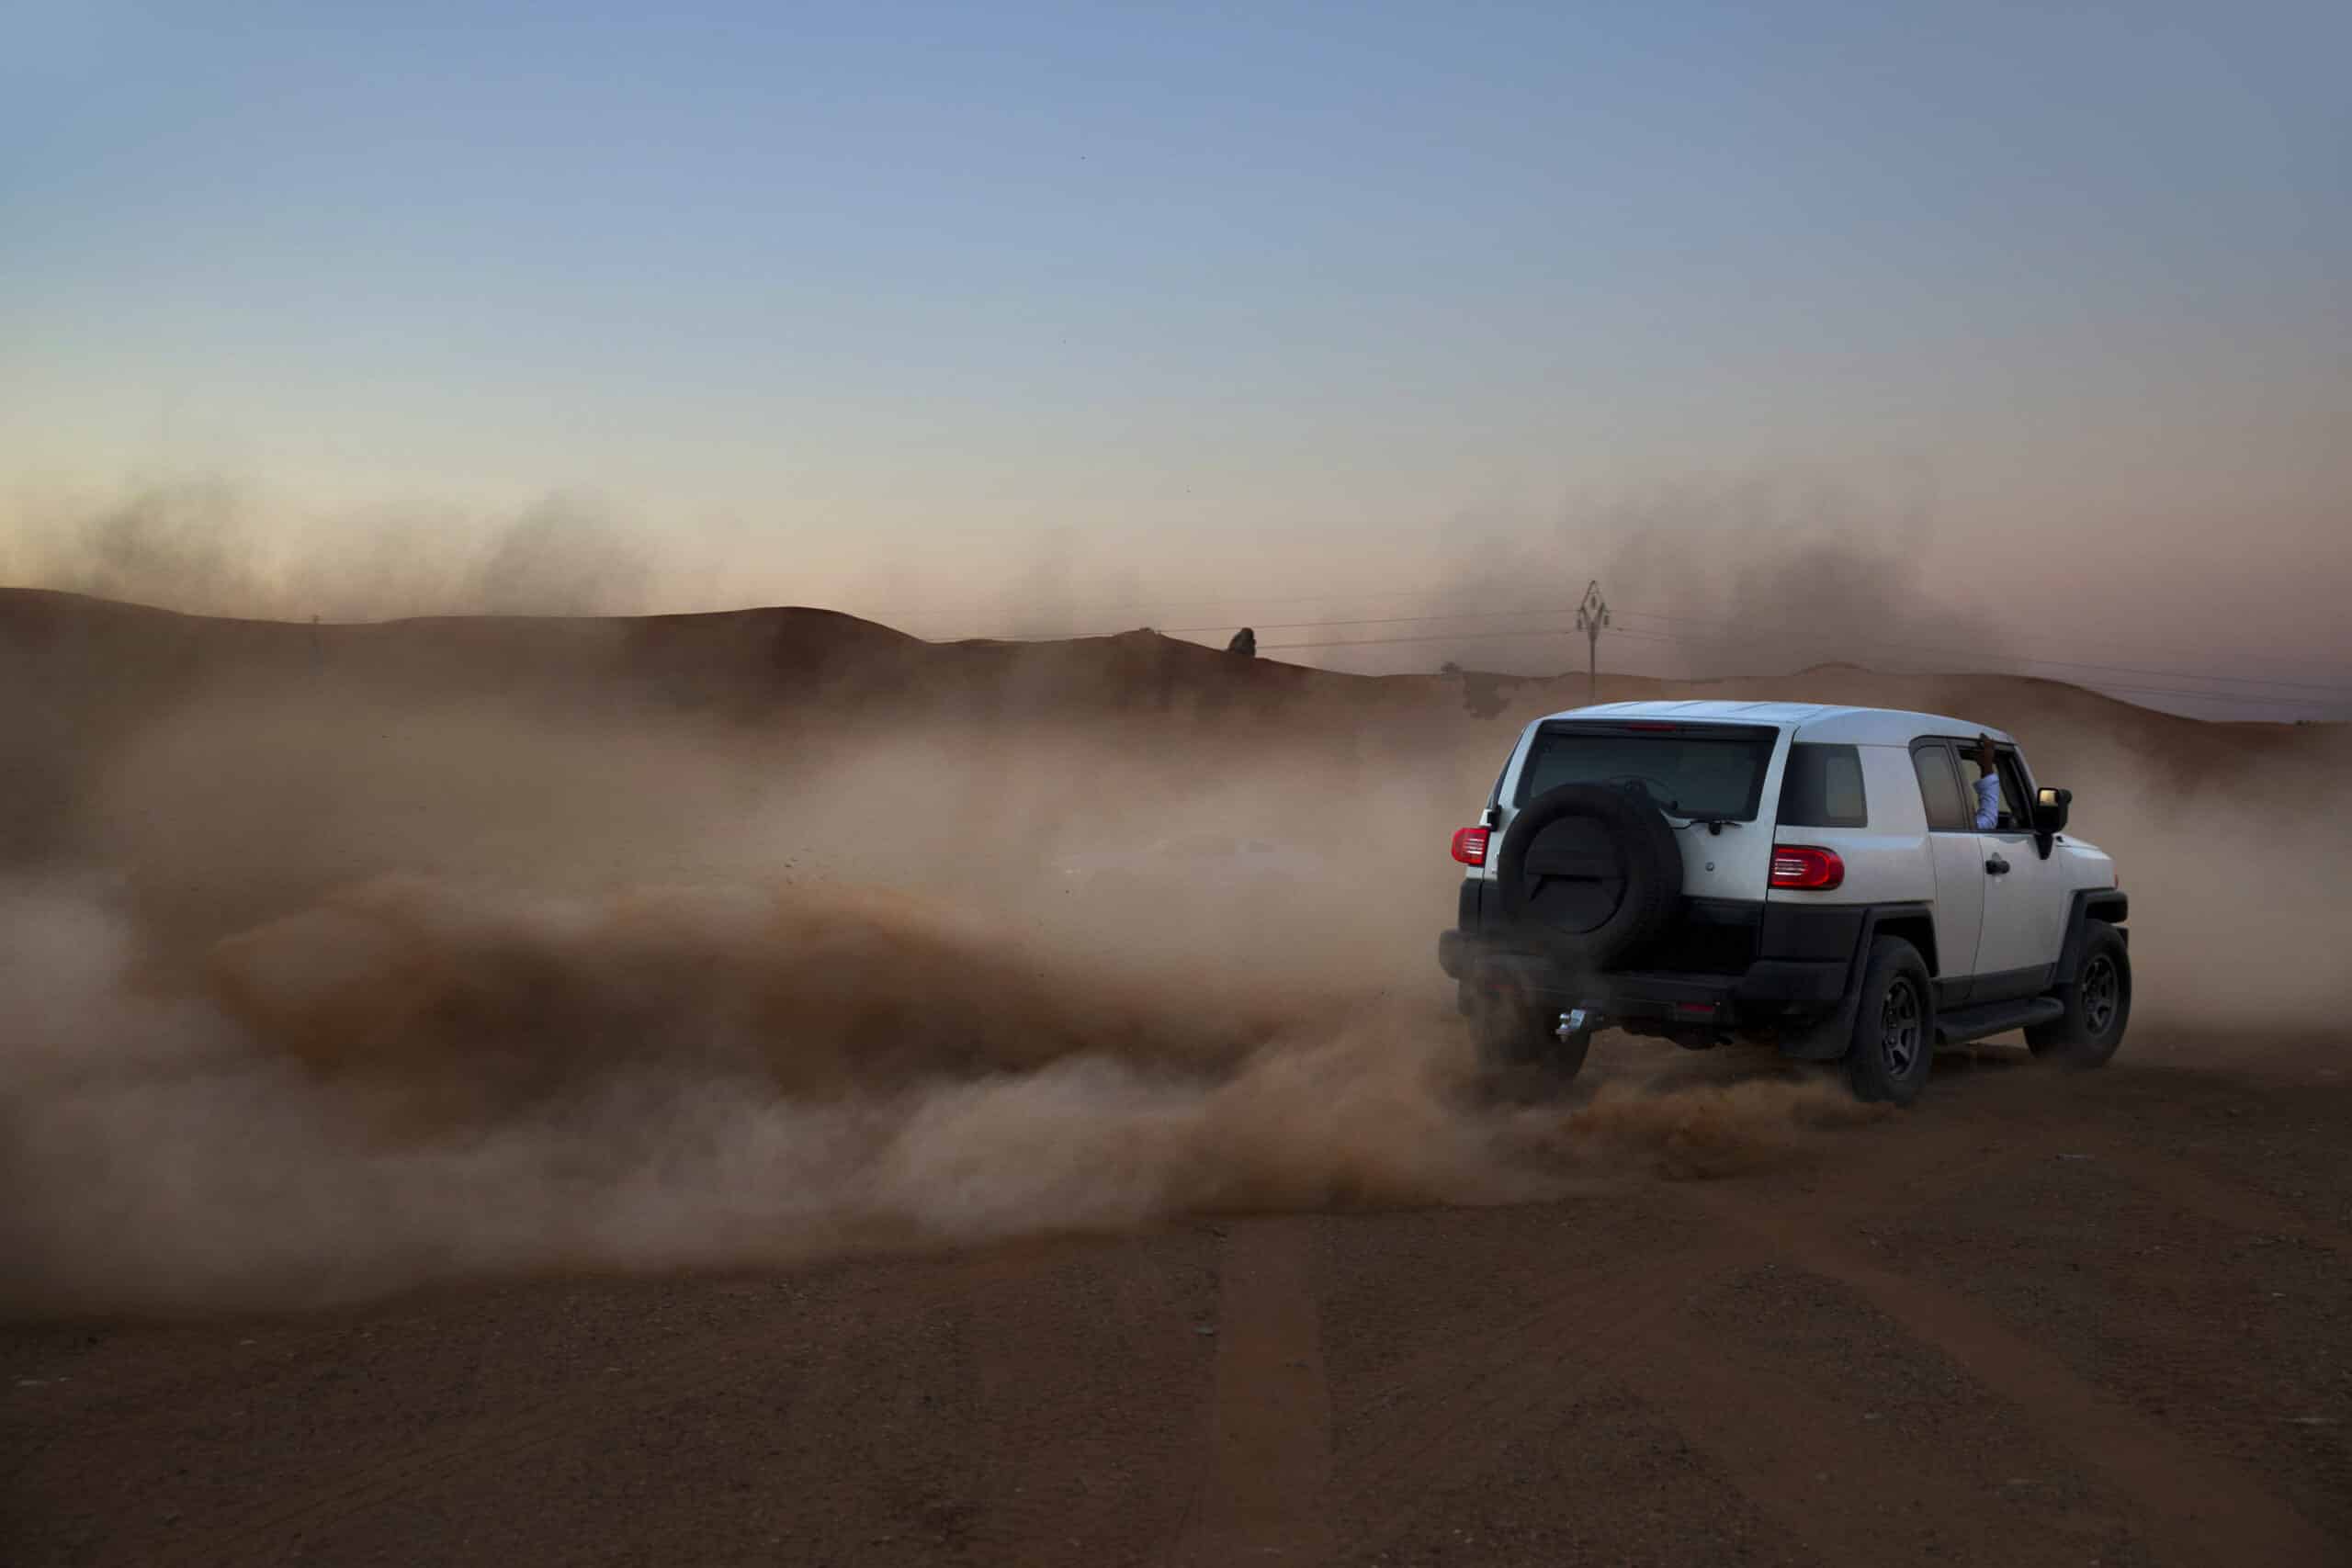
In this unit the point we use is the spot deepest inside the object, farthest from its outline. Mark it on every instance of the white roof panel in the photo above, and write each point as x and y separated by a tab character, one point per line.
1812	721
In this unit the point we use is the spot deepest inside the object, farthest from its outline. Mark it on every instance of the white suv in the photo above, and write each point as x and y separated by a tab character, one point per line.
1809	875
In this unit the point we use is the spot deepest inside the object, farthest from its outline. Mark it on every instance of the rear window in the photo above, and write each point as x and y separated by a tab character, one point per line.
1690	771
1822	788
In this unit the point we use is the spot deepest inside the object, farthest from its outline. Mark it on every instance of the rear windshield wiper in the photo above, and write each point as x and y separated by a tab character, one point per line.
1715	825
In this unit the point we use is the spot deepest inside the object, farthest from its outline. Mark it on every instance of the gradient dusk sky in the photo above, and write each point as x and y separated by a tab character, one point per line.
1008	317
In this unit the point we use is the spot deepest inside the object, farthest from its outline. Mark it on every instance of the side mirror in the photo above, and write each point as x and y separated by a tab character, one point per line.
2050	809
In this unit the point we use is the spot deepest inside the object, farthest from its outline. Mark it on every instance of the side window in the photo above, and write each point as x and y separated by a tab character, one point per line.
1939	789
1822	788
2014	816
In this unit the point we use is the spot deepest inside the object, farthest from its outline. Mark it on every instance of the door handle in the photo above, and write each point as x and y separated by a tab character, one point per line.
1996	866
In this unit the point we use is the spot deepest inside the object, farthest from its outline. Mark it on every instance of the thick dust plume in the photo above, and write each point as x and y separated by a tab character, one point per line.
337	995
348	1004
411	1080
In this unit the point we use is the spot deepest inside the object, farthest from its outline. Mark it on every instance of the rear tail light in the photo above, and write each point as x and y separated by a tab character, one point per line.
1803	866
1470	846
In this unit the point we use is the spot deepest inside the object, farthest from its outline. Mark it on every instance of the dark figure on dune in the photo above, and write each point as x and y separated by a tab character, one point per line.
1245	643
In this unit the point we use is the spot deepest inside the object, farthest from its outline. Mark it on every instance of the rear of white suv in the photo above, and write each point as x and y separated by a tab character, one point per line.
1706	871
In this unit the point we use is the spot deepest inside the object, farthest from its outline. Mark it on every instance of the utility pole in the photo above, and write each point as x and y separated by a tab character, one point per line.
1592	615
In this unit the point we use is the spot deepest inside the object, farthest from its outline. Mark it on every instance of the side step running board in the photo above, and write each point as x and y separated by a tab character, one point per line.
1963	1024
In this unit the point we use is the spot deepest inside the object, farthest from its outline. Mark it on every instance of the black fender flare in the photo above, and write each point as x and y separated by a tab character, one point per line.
1826	1041
2108	904
1873	917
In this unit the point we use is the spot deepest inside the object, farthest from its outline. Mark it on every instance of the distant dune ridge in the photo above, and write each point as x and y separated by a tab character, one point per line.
759	661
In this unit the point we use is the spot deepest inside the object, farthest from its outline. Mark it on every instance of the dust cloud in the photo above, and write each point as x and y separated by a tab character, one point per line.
173	1157
1776	572
345	1002
208	546
343	992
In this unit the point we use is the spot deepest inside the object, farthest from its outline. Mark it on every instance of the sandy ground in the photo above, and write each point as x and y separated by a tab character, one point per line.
2043	1318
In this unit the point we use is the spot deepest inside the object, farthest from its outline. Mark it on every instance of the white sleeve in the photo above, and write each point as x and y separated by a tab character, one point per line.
1988	801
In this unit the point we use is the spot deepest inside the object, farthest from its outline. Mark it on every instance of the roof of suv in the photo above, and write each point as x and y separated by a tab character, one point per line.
1810	721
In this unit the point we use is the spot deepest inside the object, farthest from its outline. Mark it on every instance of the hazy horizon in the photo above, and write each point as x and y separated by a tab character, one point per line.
2011	338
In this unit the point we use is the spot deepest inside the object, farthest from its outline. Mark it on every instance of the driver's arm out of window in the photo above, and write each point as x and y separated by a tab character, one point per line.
1988	802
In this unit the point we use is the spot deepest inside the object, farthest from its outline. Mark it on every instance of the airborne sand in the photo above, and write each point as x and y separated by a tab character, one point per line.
352	962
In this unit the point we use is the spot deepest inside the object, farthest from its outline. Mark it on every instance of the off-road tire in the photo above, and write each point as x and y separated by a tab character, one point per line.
1894	1042
2098	999
1589	873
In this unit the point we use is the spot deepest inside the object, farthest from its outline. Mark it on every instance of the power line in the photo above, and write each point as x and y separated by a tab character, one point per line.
1738	641
1371	621
2342	665
1661	637
1727	641
1565	631
1432	636
1282	626
2025	659
1914	648
1897	670
1207	604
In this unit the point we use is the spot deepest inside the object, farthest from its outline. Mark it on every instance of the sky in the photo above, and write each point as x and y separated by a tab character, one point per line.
1020	318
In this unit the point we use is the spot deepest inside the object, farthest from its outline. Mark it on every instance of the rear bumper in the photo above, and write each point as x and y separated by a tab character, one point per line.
1768	987
1771	984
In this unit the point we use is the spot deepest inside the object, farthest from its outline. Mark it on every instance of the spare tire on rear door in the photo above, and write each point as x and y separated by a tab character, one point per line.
1589	873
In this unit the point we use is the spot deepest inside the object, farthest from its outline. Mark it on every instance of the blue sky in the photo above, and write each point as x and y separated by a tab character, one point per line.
943	303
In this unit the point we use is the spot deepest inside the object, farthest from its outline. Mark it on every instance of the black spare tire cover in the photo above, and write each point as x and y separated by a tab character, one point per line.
1590	873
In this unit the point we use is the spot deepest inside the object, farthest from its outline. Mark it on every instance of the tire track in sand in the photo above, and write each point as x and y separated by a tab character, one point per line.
2204	1508
1260	1495
1490	1389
